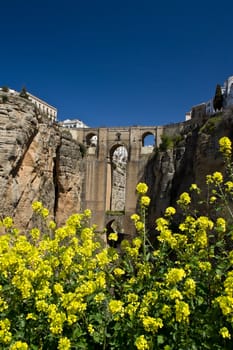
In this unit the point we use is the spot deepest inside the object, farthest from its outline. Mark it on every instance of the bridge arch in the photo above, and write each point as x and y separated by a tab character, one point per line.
148	139
91	139
114	165
116	178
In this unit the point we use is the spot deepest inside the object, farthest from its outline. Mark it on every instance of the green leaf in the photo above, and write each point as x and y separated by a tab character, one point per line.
160	339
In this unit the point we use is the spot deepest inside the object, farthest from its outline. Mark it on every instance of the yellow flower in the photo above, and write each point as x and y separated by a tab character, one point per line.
99	297
139	225
44	212
19	345
37	206
5	334
190	287
90	329
175	275
170	211
35	233
175	294
213	199
116	306
182	311
87	213
64	344
221	224
118	272
209	179
132	298
217	177
204	223
204	265
7	222
135	217
195	188
137	242
224	332
184	199
31	316
113	236
145	201
58	288
142	188
225	146
141	343
229	186
152	324
52	225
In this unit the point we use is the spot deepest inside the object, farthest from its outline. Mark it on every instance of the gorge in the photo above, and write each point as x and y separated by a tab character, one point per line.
40	160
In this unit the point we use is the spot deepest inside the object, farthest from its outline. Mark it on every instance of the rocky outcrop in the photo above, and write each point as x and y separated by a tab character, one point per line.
38	161
196	154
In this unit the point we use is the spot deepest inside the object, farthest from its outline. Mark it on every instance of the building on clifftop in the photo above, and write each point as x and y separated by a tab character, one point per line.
207	108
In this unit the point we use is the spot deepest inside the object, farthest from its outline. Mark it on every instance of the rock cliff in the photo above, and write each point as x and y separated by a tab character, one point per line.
187	158
38	161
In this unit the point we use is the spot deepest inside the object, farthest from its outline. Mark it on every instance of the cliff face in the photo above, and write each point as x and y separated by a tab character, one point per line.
171	171
37	162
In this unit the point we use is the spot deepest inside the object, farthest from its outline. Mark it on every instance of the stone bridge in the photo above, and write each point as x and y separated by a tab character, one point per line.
114	164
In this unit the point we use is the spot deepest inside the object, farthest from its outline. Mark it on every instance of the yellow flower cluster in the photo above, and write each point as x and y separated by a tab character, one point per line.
67	289
145	201
216	178
141	343
184	199
113	236
19	345
175	275
225	146
225	333
152	324
142	188
39	208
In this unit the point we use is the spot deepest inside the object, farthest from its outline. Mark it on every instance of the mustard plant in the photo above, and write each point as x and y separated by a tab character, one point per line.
60	288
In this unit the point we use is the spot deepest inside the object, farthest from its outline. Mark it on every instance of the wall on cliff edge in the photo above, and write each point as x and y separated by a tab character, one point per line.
193	154
38	161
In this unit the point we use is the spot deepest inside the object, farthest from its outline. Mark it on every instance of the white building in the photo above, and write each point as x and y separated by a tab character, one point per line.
43	107
74	123
227	92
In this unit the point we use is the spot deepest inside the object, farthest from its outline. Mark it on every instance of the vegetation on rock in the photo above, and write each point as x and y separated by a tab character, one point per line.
218	98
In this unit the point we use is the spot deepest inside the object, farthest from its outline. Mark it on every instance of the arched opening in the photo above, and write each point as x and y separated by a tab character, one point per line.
148	140
113	227
117	178
91	140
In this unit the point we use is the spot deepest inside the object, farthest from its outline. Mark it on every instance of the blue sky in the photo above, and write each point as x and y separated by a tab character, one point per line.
117	63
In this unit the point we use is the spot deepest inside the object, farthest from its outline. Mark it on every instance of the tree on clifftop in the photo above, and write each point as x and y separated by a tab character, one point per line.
23	93
218	98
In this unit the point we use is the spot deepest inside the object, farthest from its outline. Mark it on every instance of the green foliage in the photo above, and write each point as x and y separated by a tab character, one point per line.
83	149
168	142
4	98
60	289
212	123
218	98
115	212
5	88
23	93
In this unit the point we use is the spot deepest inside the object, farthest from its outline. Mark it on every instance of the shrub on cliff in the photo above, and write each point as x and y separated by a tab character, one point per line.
218	98
61	289
23	93
5	88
